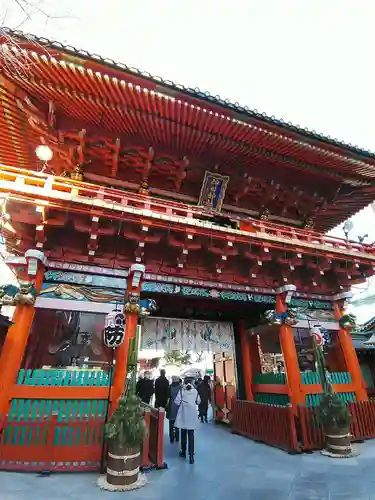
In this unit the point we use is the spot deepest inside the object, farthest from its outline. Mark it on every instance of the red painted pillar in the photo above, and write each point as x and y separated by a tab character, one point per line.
350	356
18	334
131	311
289	351
246	361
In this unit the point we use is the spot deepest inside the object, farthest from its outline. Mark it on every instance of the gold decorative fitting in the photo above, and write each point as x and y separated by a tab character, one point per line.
77	174
309	223
26	294
130	308
11	295
265	214
133	297
144	188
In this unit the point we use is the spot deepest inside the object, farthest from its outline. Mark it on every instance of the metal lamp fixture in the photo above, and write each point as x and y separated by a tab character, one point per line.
44	152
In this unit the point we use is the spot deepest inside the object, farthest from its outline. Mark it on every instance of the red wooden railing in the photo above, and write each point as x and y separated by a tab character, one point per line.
363	425
52	445
310	432
273	425
277	426
363	413
46	186
156	437
76	445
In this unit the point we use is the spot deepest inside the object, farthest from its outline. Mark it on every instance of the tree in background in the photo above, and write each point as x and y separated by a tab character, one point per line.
16	14
178	358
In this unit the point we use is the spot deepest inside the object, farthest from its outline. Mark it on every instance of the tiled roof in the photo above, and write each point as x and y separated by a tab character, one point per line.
196	93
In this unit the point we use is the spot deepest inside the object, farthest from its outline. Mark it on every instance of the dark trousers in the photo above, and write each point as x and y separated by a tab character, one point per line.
174	433
203	409
187	435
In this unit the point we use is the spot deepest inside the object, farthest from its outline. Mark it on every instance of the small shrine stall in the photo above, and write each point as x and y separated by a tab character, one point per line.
269	380
63	375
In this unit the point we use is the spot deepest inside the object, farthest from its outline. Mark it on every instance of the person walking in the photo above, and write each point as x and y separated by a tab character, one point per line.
161	390
145	388
172	409
186	400
204	391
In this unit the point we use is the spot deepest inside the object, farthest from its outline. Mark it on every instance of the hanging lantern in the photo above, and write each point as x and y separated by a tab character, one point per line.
114	329
316	333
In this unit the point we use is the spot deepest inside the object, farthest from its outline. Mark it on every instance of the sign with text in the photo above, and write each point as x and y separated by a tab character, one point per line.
213	191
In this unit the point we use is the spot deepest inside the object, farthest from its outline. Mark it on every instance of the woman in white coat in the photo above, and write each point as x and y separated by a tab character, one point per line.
187	400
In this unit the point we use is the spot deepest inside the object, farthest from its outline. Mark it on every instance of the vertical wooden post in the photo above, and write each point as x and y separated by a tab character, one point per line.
246	361
289	351
146	441
350	356
131	311
256	365
16	340
160	449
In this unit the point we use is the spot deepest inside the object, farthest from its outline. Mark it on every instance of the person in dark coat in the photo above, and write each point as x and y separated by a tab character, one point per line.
172	409
161	390
204	391
145	388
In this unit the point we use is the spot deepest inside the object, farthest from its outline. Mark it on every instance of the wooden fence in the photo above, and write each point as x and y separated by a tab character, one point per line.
156	437
278	426
273	425
49	443
362	427
310	432
56	421
363	414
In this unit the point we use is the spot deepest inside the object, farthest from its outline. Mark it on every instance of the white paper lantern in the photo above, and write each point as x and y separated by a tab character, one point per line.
114	329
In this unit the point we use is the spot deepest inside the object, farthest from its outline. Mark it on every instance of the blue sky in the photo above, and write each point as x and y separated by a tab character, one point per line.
310	63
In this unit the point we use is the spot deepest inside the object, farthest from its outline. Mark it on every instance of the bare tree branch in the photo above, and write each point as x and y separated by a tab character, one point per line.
13	58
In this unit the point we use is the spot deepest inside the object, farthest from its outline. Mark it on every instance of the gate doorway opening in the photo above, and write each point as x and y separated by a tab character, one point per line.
196	315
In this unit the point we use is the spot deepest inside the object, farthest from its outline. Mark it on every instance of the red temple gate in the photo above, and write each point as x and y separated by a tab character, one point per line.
195	188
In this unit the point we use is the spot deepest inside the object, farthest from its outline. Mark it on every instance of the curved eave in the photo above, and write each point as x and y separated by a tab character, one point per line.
123	107
160	84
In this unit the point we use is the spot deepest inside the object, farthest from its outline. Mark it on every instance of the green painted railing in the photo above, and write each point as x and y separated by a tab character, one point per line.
67	412
271	399
311	378
64	409
63	378
335	378
314	399
267	397
269	378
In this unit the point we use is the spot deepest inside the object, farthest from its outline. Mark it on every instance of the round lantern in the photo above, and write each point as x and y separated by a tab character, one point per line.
316	333
44	152
114	329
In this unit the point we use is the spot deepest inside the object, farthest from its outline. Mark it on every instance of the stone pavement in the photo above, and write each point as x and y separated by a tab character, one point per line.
227	467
